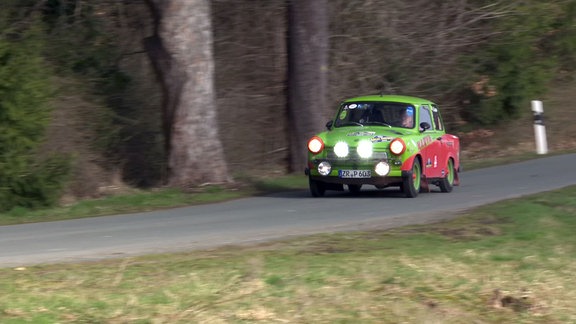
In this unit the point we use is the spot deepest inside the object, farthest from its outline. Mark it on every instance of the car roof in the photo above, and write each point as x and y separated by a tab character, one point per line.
391	98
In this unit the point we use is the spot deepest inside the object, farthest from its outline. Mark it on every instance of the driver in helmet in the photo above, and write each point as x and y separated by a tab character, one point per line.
408	117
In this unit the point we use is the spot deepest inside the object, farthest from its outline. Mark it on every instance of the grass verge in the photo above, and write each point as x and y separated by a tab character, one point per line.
153	200
472	164
509	262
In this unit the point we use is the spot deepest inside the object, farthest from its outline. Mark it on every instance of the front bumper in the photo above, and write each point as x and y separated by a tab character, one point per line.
376	181
379	181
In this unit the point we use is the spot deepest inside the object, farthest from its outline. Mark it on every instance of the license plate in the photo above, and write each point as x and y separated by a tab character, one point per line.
354	173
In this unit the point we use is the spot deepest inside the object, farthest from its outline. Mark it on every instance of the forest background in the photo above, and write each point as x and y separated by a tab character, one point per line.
80	101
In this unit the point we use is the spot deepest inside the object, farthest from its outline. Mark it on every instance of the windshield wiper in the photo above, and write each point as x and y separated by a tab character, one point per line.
378	123
350	123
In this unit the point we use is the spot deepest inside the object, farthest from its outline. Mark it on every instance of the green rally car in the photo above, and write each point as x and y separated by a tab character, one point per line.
384	140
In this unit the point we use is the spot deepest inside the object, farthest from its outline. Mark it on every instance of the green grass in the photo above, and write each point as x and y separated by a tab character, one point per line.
486	162
446	272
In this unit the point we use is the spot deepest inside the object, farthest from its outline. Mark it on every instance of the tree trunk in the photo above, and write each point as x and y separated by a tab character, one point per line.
181	51
307	74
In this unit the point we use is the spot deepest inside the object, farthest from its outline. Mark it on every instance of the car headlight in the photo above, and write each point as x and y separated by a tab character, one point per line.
397	146
341	149
382	168
364	149
315	145
324	168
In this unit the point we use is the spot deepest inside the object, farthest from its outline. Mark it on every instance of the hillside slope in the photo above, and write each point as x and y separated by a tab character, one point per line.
517	137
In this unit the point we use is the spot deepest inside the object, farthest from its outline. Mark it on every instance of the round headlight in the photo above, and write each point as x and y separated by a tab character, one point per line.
382	168
397	146
324	168
364	149
315	145
341	149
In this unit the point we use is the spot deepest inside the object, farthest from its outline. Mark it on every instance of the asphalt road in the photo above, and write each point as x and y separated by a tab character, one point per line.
271	217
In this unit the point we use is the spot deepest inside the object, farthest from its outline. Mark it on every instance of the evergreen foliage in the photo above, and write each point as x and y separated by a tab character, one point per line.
561	40
25	179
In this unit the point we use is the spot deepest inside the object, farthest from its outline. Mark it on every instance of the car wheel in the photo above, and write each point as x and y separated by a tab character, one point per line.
354	188
411	185
317	188
447	183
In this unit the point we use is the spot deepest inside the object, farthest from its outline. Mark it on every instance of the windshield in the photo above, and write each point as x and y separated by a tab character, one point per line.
391	114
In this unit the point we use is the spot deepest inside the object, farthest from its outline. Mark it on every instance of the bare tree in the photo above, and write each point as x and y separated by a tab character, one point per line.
308	68
391	49
181	51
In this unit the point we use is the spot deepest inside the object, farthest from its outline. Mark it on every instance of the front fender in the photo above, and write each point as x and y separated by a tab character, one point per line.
407	164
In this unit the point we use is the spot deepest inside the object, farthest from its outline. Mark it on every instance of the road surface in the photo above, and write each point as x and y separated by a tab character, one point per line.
276	216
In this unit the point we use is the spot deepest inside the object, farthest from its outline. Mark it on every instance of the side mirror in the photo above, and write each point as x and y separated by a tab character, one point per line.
424	126
329	124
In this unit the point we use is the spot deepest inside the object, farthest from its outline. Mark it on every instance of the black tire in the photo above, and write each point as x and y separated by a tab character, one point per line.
355	189
411	185
317	188
447	183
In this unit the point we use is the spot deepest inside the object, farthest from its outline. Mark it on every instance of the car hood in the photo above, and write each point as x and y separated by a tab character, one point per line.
352	135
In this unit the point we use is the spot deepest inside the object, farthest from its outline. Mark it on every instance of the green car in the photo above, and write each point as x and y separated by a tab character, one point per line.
384	141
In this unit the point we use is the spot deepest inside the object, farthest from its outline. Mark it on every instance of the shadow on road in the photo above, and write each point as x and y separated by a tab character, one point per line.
367	192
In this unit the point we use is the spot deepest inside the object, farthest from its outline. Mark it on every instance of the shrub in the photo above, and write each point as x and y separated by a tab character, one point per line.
24	114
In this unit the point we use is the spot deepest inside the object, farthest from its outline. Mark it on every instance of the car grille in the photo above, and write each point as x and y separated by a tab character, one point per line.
353	156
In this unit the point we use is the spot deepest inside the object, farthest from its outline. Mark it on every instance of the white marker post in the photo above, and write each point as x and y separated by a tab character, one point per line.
539	128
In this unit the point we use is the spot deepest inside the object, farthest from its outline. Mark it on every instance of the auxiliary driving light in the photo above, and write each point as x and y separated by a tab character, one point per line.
364	149
324	168
341	149
382	168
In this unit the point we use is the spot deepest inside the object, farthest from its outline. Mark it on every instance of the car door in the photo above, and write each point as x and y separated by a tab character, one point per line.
433	159
450	145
